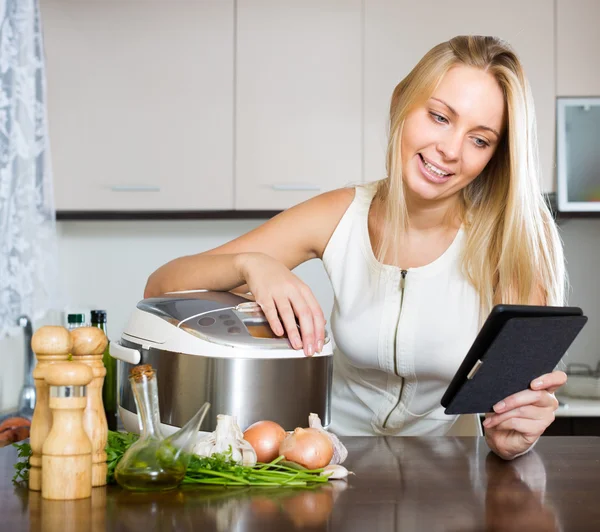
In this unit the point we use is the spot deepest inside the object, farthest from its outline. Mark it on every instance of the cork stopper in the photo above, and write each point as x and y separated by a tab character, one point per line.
88	341
141	372
69	374
51	340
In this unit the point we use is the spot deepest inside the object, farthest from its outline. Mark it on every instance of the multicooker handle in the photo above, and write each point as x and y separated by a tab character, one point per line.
126	354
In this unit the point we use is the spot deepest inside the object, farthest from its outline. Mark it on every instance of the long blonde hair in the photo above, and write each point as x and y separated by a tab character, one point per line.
513	251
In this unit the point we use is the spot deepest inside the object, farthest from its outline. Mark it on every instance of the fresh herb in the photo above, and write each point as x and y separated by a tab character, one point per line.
116	445
22	468
218	469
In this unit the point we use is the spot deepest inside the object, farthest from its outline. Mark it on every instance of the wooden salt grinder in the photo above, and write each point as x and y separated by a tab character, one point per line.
50	344
89	344
67	451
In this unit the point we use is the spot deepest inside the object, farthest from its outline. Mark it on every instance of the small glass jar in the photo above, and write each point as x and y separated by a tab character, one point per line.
155	462
75	320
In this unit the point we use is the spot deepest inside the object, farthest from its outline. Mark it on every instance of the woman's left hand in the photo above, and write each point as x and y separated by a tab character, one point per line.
519	420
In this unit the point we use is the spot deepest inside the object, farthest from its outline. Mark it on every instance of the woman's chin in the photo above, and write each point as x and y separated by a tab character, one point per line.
425	190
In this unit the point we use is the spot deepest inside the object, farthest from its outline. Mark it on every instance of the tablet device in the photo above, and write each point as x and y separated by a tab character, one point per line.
516	344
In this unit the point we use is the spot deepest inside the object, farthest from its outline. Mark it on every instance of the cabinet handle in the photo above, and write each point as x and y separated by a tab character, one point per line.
135	188
295	187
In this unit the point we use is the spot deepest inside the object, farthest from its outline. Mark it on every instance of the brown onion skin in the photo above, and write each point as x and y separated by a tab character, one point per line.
308	447
265	438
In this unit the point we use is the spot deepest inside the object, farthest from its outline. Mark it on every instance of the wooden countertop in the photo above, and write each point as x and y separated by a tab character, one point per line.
421	484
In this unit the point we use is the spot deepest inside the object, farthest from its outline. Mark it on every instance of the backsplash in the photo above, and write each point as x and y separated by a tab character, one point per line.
105	265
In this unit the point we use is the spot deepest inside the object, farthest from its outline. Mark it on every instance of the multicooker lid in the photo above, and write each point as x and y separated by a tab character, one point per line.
205	322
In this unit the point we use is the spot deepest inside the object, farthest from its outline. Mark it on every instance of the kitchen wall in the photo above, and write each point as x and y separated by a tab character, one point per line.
106	264
125	253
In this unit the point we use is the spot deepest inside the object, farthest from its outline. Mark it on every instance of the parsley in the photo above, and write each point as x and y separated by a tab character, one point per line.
116	445
22	468
218	469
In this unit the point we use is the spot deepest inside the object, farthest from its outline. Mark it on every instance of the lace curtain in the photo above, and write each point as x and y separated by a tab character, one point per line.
28	243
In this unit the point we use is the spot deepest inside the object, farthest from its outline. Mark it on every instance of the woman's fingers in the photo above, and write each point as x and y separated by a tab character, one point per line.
307	328
550	381
525	426
270	311
287	316
523	412
540	398
318	318
283	298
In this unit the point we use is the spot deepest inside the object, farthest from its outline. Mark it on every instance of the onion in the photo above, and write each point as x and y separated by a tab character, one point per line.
308	447
265	438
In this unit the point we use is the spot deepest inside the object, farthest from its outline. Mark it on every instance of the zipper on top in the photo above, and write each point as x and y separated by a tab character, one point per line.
396	370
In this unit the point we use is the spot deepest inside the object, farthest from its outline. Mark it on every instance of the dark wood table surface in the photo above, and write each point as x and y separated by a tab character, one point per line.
400	484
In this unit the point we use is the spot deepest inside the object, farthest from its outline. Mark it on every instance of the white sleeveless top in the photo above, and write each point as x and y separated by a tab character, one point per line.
399	341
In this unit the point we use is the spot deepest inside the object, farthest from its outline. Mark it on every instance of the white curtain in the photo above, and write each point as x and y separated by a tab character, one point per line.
28	243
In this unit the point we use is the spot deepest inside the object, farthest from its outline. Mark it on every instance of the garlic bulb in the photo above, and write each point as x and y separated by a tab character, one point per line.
335	472
226	436
340	453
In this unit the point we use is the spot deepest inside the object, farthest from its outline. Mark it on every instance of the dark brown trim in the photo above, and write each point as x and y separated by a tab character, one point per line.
565	215
242	214
552	201
162	215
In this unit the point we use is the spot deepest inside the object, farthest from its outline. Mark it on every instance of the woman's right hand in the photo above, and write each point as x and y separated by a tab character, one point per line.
283	297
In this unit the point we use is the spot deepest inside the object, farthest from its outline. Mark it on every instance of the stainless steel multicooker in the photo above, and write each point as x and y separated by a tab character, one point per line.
218	347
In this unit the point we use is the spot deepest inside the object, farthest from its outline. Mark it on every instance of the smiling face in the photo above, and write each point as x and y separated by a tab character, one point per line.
448	141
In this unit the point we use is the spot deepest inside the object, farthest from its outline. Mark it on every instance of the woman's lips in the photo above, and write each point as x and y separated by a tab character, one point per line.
429	175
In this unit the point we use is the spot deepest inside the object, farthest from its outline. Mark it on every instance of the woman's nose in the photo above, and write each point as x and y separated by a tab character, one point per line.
449	146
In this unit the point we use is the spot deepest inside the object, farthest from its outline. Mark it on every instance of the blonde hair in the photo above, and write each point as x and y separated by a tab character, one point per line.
513	251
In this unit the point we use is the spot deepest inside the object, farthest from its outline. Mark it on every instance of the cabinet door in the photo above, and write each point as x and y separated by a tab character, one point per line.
577	47
140	99
398	34
298	100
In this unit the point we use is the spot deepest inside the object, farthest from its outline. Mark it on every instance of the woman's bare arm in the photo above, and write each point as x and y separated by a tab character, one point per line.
292	237
261	261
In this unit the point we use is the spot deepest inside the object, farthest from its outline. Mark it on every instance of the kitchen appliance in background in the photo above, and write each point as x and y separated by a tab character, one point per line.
582	381
217	347
14	426
577	154
27	398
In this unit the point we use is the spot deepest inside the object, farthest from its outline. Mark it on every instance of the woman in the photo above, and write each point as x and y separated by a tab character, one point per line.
418	259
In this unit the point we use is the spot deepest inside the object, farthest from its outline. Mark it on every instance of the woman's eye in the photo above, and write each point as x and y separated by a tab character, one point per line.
480	143
439	118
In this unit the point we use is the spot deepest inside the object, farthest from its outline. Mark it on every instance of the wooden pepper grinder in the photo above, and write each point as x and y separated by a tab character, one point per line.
67	451
89	344
50	344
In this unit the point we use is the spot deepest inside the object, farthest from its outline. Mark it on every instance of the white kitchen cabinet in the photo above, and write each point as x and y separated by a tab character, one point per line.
140	99
298	100
398	34
577	47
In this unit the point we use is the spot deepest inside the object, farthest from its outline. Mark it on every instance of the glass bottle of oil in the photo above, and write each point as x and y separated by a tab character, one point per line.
155	462
109	386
